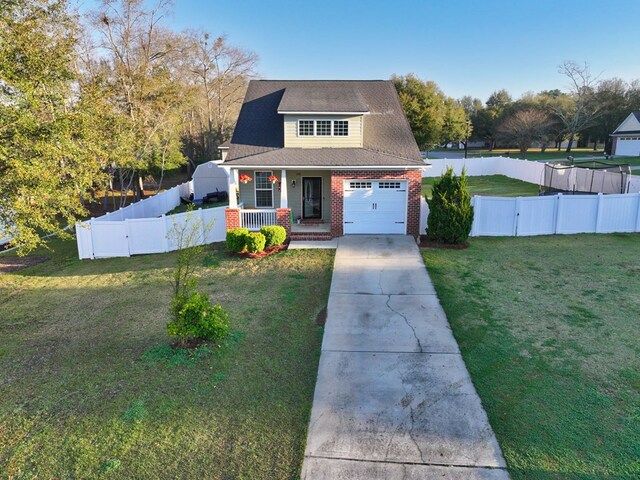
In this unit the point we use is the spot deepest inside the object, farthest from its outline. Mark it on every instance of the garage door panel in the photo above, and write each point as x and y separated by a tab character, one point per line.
628	147
379	208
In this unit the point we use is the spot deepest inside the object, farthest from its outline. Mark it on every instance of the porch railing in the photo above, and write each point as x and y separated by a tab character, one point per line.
253	219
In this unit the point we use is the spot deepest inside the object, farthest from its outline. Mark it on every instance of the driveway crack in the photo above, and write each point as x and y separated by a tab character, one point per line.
406	320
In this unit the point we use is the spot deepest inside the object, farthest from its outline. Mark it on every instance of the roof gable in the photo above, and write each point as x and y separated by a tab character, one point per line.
630	124
260	128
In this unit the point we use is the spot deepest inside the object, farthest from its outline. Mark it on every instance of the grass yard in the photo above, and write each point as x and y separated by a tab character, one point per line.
551	339
91	389
490	185
184	207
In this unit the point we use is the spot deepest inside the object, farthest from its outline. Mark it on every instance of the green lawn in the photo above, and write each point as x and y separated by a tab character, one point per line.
552	343
490	185
184	207
91	389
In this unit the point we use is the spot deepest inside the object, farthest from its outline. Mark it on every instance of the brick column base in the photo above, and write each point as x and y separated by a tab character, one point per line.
283	218
232	217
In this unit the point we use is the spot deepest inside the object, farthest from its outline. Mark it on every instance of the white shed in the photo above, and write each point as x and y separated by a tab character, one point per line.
626	138
207	178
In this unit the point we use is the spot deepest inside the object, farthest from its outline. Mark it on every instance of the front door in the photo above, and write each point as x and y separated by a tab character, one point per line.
311	197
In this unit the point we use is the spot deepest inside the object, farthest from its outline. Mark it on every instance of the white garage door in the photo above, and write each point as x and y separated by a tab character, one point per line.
375	206
628	146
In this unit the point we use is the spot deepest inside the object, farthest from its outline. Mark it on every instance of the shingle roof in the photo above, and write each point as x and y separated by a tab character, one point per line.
260	128
625	132
325	157
324	98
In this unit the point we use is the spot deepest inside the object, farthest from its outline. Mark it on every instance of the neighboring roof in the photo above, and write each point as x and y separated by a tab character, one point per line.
324	98
260	128
226	144
632	120
325	157
625	133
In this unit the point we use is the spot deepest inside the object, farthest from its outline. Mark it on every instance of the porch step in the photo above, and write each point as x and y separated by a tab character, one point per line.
311	236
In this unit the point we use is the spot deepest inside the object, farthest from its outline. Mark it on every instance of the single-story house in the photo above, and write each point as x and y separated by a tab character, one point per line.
324	159
626	138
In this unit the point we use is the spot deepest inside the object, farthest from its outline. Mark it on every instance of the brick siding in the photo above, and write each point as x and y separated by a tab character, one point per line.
232	218
283	218
414	185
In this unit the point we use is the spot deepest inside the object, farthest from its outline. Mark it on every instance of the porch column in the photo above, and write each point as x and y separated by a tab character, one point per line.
284	201
232	184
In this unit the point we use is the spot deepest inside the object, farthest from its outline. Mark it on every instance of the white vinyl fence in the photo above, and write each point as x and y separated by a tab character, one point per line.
525	170
557	214
142	227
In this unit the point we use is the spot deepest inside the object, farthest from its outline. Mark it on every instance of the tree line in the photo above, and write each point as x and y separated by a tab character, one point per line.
585	113
103	100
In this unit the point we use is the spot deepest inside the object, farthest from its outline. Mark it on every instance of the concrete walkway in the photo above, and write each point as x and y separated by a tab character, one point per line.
393	398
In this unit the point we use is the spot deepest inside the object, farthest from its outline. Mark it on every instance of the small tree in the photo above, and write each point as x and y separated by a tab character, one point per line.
450	210
192	315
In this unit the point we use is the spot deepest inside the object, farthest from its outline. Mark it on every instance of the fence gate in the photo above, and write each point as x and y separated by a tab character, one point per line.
110	239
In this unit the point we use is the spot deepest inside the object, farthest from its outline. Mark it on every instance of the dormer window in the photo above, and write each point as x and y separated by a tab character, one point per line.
306	128
323	128
340	128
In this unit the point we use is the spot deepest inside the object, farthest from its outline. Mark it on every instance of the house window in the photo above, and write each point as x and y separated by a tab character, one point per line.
323	128
340	128
264	190
305	128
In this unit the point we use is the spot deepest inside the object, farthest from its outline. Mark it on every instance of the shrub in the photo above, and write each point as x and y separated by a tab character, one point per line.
275	235
196	318
237	239
450	210
255	242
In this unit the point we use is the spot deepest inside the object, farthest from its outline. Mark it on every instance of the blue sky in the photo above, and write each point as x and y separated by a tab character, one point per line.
467	47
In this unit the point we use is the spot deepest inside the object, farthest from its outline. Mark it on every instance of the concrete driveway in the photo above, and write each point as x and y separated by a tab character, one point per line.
393	397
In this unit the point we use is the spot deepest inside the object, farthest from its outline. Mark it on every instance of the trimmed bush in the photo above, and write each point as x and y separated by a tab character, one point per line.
196	318
450	210
275	235
255	242
237	239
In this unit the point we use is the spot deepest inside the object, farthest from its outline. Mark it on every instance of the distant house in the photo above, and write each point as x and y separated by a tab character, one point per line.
626	138
336	157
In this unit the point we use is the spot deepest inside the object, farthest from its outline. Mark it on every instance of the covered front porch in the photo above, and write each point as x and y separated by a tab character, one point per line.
299	200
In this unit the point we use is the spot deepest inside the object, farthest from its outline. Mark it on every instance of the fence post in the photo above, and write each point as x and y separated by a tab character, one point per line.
166	232
599	214
475	203
558	213
516	220
203	232
638	213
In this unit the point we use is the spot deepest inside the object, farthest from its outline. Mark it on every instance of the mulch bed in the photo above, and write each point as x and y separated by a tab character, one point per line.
426	243
11	264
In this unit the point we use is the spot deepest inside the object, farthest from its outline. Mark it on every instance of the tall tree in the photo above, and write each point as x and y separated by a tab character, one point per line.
140	65
222	72
582	110
435	119
525	127
49	155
